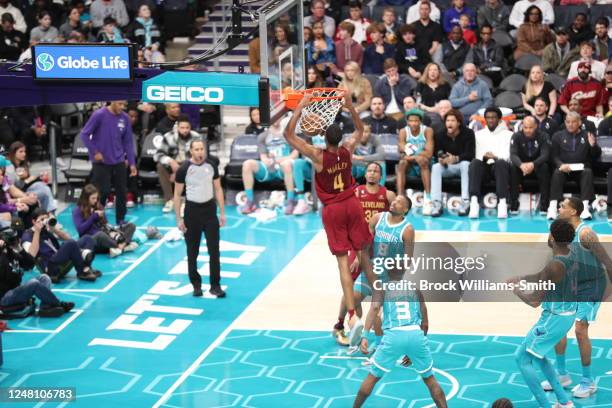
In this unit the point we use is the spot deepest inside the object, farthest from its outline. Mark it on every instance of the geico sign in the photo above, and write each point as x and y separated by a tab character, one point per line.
184	94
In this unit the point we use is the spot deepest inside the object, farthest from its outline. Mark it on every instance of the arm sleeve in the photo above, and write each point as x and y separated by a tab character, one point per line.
514	151
456	100
20	23
215	170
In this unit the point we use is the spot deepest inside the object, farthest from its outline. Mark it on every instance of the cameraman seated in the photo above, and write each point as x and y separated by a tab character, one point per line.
41	241
174	150
14	260
89	219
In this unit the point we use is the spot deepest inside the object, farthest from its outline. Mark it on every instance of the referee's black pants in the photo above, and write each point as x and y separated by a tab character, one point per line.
106	176
202	217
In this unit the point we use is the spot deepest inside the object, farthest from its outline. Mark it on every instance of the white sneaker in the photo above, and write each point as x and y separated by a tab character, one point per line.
584	390
113	252
586	214
502	209
356	331
302	207
427	207
565	380
168	206
132	246
474	208
569	404
552	213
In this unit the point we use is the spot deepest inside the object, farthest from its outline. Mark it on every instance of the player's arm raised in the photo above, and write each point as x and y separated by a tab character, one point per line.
590	241
358	133
294	141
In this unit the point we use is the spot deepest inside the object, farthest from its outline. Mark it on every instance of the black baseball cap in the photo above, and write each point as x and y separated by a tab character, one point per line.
562	31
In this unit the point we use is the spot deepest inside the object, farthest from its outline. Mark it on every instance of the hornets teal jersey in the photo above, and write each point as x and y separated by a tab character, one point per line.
402	307
591	273
415	144
562	300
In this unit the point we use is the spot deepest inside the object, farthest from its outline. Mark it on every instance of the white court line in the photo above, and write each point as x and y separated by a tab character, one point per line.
342	358
76	313
122	274
222	336
609	373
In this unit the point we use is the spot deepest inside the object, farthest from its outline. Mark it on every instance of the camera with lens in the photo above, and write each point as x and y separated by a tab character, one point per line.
50	222
10	237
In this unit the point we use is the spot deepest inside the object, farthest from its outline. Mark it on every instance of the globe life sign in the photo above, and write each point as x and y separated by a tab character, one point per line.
83	62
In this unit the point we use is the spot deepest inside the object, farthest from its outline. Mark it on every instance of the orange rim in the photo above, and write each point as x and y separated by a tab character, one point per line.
293	97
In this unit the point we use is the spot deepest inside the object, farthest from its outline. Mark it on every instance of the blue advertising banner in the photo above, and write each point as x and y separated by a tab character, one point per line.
95	62
211	88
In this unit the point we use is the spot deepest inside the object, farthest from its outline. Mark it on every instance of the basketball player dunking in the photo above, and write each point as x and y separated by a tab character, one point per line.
342	214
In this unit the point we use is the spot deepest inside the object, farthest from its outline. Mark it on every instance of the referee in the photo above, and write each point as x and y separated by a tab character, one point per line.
200	178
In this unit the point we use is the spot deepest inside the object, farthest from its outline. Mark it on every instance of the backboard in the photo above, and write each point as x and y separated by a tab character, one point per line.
281	36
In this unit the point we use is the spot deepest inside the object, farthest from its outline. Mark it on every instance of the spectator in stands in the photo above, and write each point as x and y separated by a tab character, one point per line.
580	30
429	32
587	90
537	87
317	10
254	127
108	137
166	124
454	147
469	36
275	163
12	41
414	12
605	126
455	51
358	88
416	147
14	261
369	149
452	15
602	41
492	160
280	44
314	78
110	33
558	55
585	124
518	13
378	121
171	153
361	23
73	23
18	174
347	49
44	32
145	32
411	57
100	9
254	54
437	119
532	36
18	20
470	93
572	152
409	104
598	68
390	24
494	13
13	202
488	56
42	242
529	157
545	122
393	88
89	220
431	89
320	51
376	53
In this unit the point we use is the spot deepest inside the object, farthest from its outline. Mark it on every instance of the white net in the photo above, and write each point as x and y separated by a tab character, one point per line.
321	113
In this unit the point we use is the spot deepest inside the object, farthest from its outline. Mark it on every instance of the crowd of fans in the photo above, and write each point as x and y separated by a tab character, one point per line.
432	76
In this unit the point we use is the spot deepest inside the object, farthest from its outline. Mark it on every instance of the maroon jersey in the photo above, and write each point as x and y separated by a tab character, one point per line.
372	203
335	182
589	94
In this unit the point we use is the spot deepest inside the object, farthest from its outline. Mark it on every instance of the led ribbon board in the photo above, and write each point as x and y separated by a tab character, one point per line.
83	62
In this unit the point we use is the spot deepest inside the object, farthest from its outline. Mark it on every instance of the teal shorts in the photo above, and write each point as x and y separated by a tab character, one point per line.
362	285
547	332
587	311
268	174
399	342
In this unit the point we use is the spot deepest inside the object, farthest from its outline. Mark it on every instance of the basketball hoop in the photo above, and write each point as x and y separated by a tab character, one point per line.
322	110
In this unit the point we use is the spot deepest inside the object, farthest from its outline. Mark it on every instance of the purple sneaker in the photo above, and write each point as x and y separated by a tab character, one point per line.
289	207
248	208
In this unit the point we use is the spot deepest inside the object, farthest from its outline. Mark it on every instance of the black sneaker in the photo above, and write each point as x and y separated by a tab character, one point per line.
197	292
53	311
88	276
96	272
514	208
217	291
55	278
67	306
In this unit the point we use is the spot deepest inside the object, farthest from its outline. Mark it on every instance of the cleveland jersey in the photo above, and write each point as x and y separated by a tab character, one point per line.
335	182
372	203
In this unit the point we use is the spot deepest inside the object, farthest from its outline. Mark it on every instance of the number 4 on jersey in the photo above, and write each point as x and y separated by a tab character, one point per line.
338	183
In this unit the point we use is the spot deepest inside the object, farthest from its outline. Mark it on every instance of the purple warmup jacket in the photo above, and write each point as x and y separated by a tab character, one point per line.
85	226
110	135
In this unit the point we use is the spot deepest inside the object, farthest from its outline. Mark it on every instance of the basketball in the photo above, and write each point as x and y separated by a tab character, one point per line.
311	124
